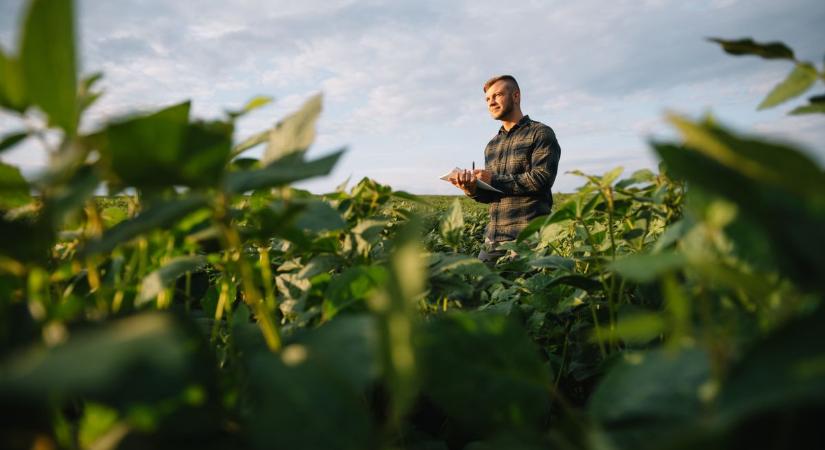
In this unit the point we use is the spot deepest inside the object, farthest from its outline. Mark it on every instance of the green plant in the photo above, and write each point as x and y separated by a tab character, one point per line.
215	306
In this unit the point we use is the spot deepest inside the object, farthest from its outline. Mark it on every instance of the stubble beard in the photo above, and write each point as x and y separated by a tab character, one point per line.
503	112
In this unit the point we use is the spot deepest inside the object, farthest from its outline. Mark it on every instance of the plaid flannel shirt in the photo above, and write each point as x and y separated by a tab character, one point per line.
524	162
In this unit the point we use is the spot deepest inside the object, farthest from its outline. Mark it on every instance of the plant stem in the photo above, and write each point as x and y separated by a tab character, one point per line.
598	331
266	277
222	299
252	297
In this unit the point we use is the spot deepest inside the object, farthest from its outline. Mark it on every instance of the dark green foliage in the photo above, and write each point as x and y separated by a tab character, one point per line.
484	373
212	305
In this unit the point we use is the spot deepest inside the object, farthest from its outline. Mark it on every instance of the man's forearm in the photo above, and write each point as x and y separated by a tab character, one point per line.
535	181
482	195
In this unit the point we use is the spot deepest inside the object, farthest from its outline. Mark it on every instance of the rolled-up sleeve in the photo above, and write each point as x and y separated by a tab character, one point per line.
544	165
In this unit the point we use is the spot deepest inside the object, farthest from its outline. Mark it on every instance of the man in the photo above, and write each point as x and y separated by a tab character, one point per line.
521	160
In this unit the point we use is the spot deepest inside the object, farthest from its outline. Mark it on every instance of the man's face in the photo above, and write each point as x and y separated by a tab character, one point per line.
500	99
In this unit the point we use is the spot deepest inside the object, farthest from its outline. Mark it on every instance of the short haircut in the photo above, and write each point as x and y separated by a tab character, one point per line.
509	78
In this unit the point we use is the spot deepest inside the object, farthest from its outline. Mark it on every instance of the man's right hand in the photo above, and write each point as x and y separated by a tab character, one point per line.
466	181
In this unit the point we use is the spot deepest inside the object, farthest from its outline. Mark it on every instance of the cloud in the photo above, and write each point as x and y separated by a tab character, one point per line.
402	79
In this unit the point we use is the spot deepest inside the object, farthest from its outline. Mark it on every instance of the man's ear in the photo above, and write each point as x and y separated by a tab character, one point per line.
517	97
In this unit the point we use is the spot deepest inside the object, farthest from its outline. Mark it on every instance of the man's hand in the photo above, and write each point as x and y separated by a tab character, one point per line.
466	181
483	175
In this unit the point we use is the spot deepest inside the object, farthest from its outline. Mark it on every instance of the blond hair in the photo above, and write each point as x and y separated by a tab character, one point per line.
509	78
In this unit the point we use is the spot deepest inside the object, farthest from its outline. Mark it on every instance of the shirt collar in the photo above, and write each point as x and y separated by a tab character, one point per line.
524	121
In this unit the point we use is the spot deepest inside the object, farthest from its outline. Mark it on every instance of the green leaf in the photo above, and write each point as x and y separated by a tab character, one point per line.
567	211
554	262
770	50
318	216
12	84
817	108
254	103
531	228
48	61
769	182
295	133
353	285
644	268
10	140
636	406
608	178
129	357
452	225
113	215
160	215
252	141
321	264
162	149
579	281
304	399
452	265
637	328
798	81
85	96
281	172
14	189
358	365
759	159
144	151
407	196
205	153
633	234
484	372
159	279
97	421
781	371
816	105
394	307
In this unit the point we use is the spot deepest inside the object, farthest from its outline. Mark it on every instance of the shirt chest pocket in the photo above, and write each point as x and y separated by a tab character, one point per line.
518	158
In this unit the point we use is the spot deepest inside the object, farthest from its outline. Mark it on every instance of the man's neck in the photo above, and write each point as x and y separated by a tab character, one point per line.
512	120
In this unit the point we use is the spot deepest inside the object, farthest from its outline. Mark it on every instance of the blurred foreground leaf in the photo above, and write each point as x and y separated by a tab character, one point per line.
281	172
144	357
637	407
163	149
645	268
12	87
484	373
784	370
769	182
295	133
48	61
311	394
14	190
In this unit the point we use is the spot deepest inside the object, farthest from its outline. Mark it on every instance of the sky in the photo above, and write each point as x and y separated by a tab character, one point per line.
402	80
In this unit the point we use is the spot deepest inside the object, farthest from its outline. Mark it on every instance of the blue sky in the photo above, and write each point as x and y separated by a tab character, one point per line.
402	79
